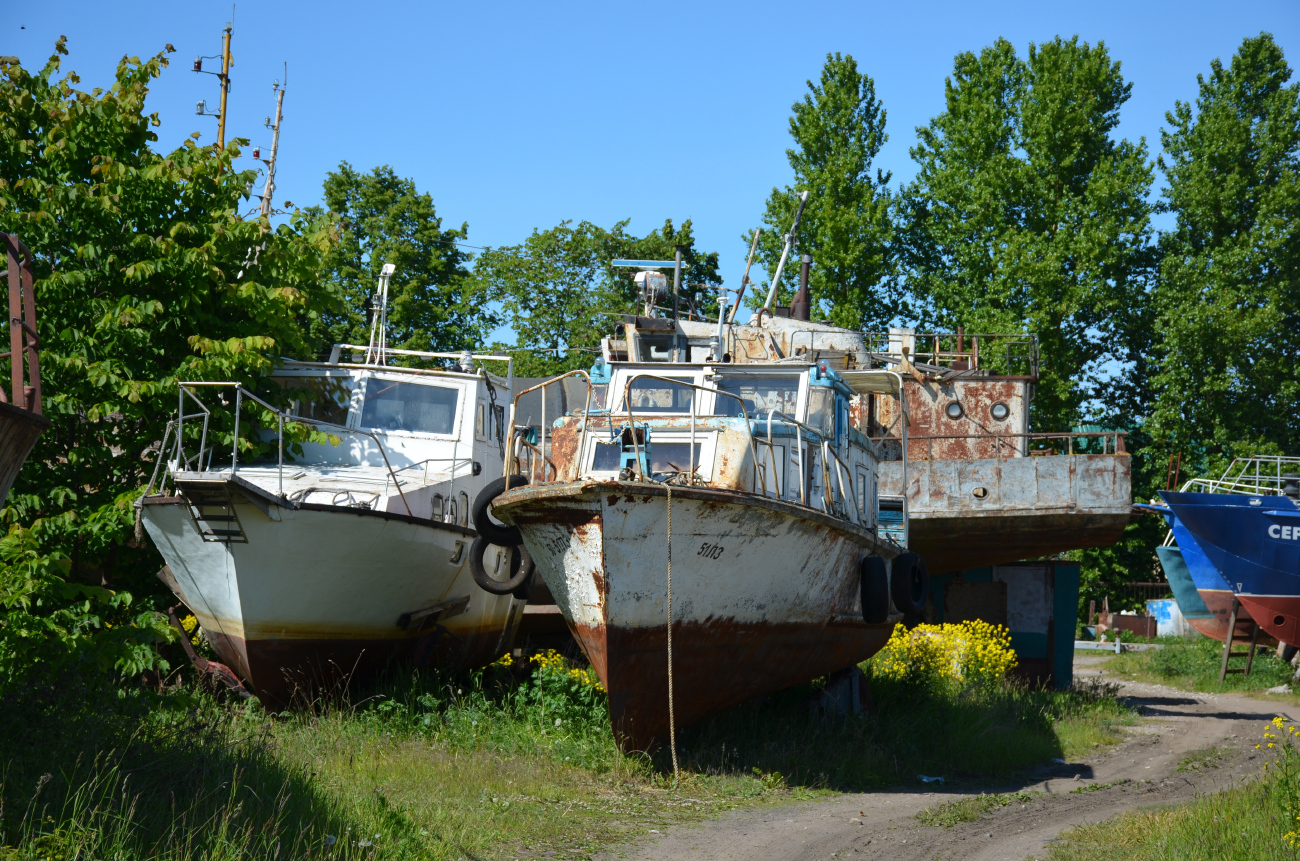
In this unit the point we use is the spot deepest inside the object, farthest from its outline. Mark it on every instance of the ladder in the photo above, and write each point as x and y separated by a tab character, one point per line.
213	511
1231	638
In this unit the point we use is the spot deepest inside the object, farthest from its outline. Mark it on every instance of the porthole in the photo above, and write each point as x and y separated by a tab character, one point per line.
999	411
953	410
980	492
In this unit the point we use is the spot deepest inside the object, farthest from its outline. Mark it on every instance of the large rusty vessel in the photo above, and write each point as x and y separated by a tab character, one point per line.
737	502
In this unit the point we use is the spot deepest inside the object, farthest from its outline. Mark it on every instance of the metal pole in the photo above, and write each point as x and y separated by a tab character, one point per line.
280	438
745	280
275	148
785	252
225	90
234	449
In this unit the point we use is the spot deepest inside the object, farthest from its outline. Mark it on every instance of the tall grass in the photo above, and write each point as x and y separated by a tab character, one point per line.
1194	665
507	760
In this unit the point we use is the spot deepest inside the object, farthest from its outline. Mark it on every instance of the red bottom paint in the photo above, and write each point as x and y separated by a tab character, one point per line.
1219	603
1279	615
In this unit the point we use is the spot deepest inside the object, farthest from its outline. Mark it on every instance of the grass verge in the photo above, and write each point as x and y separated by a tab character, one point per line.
948	814
1242	823
1194	665
508	762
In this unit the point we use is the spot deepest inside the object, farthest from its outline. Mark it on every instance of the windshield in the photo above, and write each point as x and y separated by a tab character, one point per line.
409	407
649	395
760	392
322	398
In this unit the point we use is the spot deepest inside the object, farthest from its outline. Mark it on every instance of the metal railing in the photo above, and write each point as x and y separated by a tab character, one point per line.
976	351
181	463
1017	444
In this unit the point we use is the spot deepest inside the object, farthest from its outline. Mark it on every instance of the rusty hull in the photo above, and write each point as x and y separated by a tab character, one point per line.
765	592
973	513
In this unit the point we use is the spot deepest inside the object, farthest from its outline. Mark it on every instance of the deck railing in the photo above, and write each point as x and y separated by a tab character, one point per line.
1020	444
180	462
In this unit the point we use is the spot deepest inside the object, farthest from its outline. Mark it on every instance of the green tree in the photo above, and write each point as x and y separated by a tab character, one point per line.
560	295
847	227
386	219
1229	292
1027	214
146	274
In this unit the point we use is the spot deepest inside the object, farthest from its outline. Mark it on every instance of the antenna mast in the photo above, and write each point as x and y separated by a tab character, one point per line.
275	142
224	75
790	241
377	350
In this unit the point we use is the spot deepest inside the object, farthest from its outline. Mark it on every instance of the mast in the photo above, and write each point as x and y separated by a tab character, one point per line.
275	142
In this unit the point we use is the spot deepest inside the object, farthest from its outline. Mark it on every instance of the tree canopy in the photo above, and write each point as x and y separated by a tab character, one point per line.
560	295
1027	213
847	227
146	274
386	219
1229	294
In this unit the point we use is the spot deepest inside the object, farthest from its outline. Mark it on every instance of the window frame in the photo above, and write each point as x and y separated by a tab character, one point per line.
462	397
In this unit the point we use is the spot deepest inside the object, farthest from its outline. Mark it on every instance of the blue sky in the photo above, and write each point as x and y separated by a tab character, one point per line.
515	116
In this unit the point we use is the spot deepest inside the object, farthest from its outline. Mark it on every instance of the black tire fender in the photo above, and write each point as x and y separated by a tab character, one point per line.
521	567
875	590
497	533
909	583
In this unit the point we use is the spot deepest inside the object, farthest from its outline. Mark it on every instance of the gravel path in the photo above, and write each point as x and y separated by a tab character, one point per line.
884	823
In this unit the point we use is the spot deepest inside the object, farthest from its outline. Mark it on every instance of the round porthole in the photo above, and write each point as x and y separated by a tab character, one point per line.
980	492
953	410
999	411
1279	620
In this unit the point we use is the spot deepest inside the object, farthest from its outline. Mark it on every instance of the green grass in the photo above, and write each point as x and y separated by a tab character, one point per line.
1194	665
971	809
1241	824
1203	759
494	764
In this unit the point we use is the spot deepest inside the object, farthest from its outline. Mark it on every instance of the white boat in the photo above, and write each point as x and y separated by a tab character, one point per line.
779	570
353	552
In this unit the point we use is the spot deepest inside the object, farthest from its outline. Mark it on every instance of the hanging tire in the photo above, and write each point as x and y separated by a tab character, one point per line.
521	567
498	533
909	584
875	590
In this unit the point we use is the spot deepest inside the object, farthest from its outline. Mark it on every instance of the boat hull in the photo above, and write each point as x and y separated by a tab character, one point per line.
975	512
765	594
316	597
1254	543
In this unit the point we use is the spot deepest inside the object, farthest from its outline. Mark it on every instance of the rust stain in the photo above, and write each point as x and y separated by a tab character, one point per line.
758	659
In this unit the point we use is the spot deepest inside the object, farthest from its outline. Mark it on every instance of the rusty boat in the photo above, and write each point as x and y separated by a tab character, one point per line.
21	418
978	487
323	564
710	531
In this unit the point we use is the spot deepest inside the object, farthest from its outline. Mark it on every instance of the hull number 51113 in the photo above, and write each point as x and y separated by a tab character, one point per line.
710	551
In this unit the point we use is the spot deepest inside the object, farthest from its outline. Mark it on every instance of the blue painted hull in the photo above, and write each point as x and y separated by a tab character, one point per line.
1254	542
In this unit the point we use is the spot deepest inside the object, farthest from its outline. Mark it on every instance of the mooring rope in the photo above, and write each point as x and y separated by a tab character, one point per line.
672	719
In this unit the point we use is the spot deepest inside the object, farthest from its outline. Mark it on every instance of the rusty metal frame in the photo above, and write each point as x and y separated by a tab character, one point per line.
937	354
999	439
512	457
23	339
240	391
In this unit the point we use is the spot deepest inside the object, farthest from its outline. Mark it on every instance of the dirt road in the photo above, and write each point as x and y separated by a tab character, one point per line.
884	824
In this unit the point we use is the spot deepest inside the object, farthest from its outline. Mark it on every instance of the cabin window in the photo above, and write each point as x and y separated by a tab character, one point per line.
498	422
821	410
481	421
649	395
322	398
409	407
760	392
673	457
607	456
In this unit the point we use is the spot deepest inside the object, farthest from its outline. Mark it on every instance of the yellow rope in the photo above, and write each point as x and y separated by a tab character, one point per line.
672	719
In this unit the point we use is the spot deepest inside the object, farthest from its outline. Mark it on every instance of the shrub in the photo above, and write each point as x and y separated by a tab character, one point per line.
970	653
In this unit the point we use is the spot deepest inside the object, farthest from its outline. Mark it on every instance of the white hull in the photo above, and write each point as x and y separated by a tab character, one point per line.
318	594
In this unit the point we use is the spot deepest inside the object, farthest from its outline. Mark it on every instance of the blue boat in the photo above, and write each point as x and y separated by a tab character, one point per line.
1254	542
1204	597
